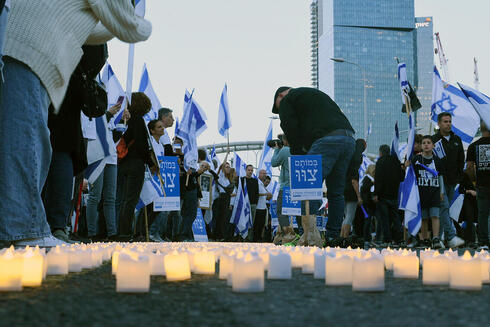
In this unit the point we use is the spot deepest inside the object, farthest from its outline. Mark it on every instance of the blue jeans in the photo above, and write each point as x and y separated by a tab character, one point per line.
25	153
159	225
446	221
483	199
58	190
104	184
189	213
336	152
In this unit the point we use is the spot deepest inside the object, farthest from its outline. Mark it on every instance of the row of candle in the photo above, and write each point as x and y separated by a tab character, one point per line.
243	265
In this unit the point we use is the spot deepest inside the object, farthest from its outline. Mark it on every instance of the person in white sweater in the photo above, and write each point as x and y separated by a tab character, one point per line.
42	48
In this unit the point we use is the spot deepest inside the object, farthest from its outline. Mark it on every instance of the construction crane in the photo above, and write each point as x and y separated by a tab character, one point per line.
476	80
442	58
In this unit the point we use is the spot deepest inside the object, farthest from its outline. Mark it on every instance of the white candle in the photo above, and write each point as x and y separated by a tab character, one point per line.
388	256
435	270
204	263
157	267
426	253
296	257
406	265
229	279
57	262
338	270
11	267
74	261
485	266
248	274
368	273
279	265
33	266
465	273
177	266
319	264
225	264
308	266
133	275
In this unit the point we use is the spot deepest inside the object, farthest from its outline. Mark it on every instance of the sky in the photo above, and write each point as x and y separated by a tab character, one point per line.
256	46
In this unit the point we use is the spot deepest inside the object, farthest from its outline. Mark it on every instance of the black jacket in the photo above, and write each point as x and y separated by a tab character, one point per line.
136	138
252	189
308	114
389	175
367	196
454	160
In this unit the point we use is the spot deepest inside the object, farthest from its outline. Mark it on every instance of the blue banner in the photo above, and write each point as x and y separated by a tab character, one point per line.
289	207
199	228
169	169
305	176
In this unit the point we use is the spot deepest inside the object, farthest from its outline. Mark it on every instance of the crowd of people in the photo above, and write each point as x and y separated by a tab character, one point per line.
49	132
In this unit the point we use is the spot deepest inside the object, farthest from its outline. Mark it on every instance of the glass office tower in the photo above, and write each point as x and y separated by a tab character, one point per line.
369	35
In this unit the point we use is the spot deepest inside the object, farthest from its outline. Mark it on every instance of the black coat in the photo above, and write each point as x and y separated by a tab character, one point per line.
454	160
389	175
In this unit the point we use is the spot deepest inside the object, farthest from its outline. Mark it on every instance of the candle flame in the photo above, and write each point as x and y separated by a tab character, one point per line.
466	255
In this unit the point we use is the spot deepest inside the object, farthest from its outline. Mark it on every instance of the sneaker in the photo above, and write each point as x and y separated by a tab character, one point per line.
43	242
437	243
156	238
61	235
455	242
483	247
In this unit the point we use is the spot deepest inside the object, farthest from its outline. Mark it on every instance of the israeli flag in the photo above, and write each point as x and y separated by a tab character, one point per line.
149	192
409	201
447	98
224	118
479	101
241	216
192	124
370	129
114	90
439	149
395	141
140	7
100	150
266	156
364	165
213	156
240	166
147	88
402	79
456	204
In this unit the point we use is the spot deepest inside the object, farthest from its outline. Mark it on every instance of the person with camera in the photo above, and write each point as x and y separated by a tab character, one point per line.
280	158
314	124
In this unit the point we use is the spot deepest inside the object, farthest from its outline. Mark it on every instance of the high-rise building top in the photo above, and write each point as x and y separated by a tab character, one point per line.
314	43
367	36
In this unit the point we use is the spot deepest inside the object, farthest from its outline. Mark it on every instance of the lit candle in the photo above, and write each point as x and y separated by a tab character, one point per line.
177	266
338	270
308	266
426	253
435	269
74	261
465	273
226	264
279	265
296	257
204	263
406	265
11	267
133	274
248	274
229	279
157	267
57	262
485	266
368	273
319	272
388	256
32	272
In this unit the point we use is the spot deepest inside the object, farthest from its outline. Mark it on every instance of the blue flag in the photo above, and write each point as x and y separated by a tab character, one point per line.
240	166
479	101
242	213
147	88
409	201
224	119
266	156
395	141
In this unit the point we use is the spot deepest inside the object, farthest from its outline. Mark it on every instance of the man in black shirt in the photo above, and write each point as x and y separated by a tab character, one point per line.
454	165
478	157
253	195
314	124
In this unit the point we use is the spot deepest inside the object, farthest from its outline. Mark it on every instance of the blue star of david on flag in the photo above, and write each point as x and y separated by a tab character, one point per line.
445	104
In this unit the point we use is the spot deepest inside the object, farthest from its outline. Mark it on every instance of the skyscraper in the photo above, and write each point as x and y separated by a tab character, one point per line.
425	66
367	36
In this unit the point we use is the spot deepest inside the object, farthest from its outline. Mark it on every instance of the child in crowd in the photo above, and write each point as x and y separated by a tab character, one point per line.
429	170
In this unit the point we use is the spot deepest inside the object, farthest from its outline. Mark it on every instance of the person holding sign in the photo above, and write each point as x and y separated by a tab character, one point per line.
315	125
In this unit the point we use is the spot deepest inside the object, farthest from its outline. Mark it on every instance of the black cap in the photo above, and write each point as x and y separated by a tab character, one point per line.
279	90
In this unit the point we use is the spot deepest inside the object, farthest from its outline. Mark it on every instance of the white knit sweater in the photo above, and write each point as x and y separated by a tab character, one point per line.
47	35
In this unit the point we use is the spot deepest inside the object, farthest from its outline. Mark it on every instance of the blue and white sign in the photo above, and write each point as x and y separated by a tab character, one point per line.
273	211
199	228
289	207
305	176
169	169
321	222
293	222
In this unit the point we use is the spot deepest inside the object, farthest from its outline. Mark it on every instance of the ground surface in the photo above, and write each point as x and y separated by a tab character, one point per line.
89	299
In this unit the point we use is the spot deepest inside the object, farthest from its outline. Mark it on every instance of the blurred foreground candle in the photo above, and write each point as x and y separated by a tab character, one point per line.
435	269
225	264
279	266
426	253
465	273
32	272
406	265
133	274
11	267
319	264
368	273
177	266
388	255
157	267
204	263
248	274
229	279
338	270
308	266
296	257
74	261
57	262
